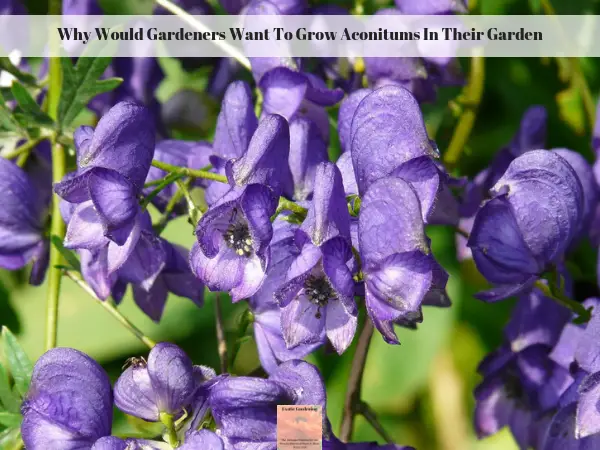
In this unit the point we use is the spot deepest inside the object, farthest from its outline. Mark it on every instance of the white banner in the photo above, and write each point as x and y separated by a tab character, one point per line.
301	36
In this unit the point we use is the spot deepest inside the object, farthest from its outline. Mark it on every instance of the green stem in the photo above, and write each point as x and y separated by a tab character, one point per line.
472	97
164	219
194	211
25	148
193	22
245	320
167	421
110	307
166	181
556	293
288	205
57	227
190	172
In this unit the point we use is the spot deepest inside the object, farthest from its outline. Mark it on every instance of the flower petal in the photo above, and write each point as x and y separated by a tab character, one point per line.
236	122
302	322
387	130
135	395
85	229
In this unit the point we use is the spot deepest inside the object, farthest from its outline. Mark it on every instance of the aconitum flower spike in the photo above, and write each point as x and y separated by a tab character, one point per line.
113	161
272	349
539	202
399	270
23	215
165	384
232	251
388	137
317	297
193	155
69	404
245	408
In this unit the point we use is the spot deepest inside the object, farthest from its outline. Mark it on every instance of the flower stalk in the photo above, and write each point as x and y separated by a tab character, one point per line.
57	227
110	307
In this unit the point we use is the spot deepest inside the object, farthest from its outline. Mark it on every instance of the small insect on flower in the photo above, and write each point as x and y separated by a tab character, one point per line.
134	361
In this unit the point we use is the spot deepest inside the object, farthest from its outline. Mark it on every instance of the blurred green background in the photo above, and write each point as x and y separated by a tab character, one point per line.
422	389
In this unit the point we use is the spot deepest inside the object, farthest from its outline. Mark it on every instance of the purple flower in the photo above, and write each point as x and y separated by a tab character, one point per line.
388	137
165	384
318	295
69	404
536	319
193	155
245	408
431	7
561	433
23	213
588	183
112	164
294	94
517	389
203	439
115	443
307	151
538	203
272	349
399	270
232	252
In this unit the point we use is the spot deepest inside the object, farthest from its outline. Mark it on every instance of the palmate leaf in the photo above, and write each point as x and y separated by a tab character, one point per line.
18	362
10	420
80	84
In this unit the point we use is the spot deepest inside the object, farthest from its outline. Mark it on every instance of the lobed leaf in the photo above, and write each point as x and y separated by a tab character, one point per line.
8	401
31	111
80	84
18	362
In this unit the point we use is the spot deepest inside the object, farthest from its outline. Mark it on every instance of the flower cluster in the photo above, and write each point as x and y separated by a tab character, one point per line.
70	403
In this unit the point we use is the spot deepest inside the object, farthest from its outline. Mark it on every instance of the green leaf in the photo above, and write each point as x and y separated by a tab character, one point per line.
536	6
32	112
80	84
67	254
8	400
570	108
25	78
18	362
10	439
7	122
10	420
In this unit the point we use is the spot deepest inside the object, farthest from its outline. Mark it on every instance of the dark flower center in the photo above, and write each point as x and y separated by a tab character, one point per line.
514	390
238	238
319	291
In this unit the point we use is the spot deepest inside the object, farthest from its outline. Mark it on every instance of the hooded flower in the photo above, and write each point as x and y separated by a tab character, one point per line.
23	214
165	384
399	270
431	7
518	388
245	408
531	135
112	164
232	252
296	94
272	349
236	125
388	137
69	404
317	297
534	213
